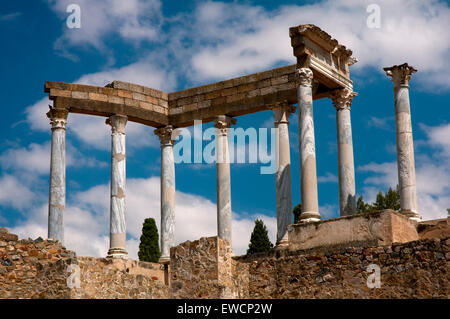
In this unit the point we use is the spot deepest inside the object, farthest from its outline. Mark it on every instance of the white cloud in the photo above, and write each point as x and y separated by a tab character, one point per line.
439	138
145	72
385	123
230	39
386	173
132	20
329	211
35	159
328	178
14	193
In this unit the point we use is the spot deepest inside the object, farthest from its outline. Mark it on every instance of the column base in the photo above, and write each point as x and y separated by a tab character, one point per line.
412	215
283	243
309	217
164	260
379	228
117	253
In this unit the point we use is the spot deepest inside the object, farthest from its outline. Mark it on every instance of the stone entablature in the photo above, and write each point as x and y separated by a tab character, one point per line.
140	104
329	60
234	97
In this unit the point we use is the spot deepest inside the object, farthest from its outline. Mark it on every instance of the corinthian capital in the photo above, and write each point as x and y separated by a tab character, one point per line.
118	123
304	76
401	74
342	99
223	123
165	134
58	117
282	111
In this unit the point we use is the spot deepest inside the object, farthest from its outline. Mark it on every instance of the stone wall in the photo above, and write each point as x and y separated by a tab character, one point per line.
41	269
33	268
438	228
205	268
197	271
117	278
417	269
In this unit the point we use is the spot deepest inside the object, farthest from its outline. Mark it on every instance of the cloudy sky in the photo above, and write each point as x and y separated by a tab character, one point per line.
173	45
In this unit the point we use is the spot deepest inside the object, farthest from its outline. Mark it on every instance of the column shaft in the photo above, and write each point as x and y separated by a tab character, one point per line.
224	219
283	171
405	152
405	149
308	182
167	192
347	193
57	193
117	247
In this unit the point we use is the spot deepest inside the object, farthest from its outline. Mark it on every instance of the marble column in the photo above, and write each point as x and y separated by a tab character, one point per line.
401	74
308	182
118	234
342	100
57	194
222	123
167	192
281	112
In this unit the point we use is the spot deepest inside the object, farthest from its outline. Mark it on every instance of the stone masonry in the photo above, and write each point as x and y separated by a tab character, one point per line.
41	269
417	269
206	268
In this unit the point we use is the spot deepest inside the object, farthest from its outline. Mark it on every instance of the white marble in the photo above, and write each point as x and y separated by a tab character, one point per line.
167	191
224	218
401	74
308	182
57	196
342	100
118	182
283	170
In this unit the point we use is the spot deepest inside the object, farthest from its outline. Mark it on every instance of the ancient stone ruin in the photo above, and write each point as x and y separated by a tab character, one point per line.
313	259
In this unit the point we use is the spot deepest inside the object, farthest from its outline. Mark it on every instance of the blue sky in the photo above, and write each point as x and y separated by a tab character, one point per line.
173	45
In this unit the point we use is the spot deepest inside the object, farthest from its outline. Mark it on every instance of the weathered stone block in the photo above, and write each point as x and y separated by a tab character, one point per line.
136	88
131	102
145	105
162	103
80	95
439	228
98	97
378	228
115	99
58	92
125	94
139	97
